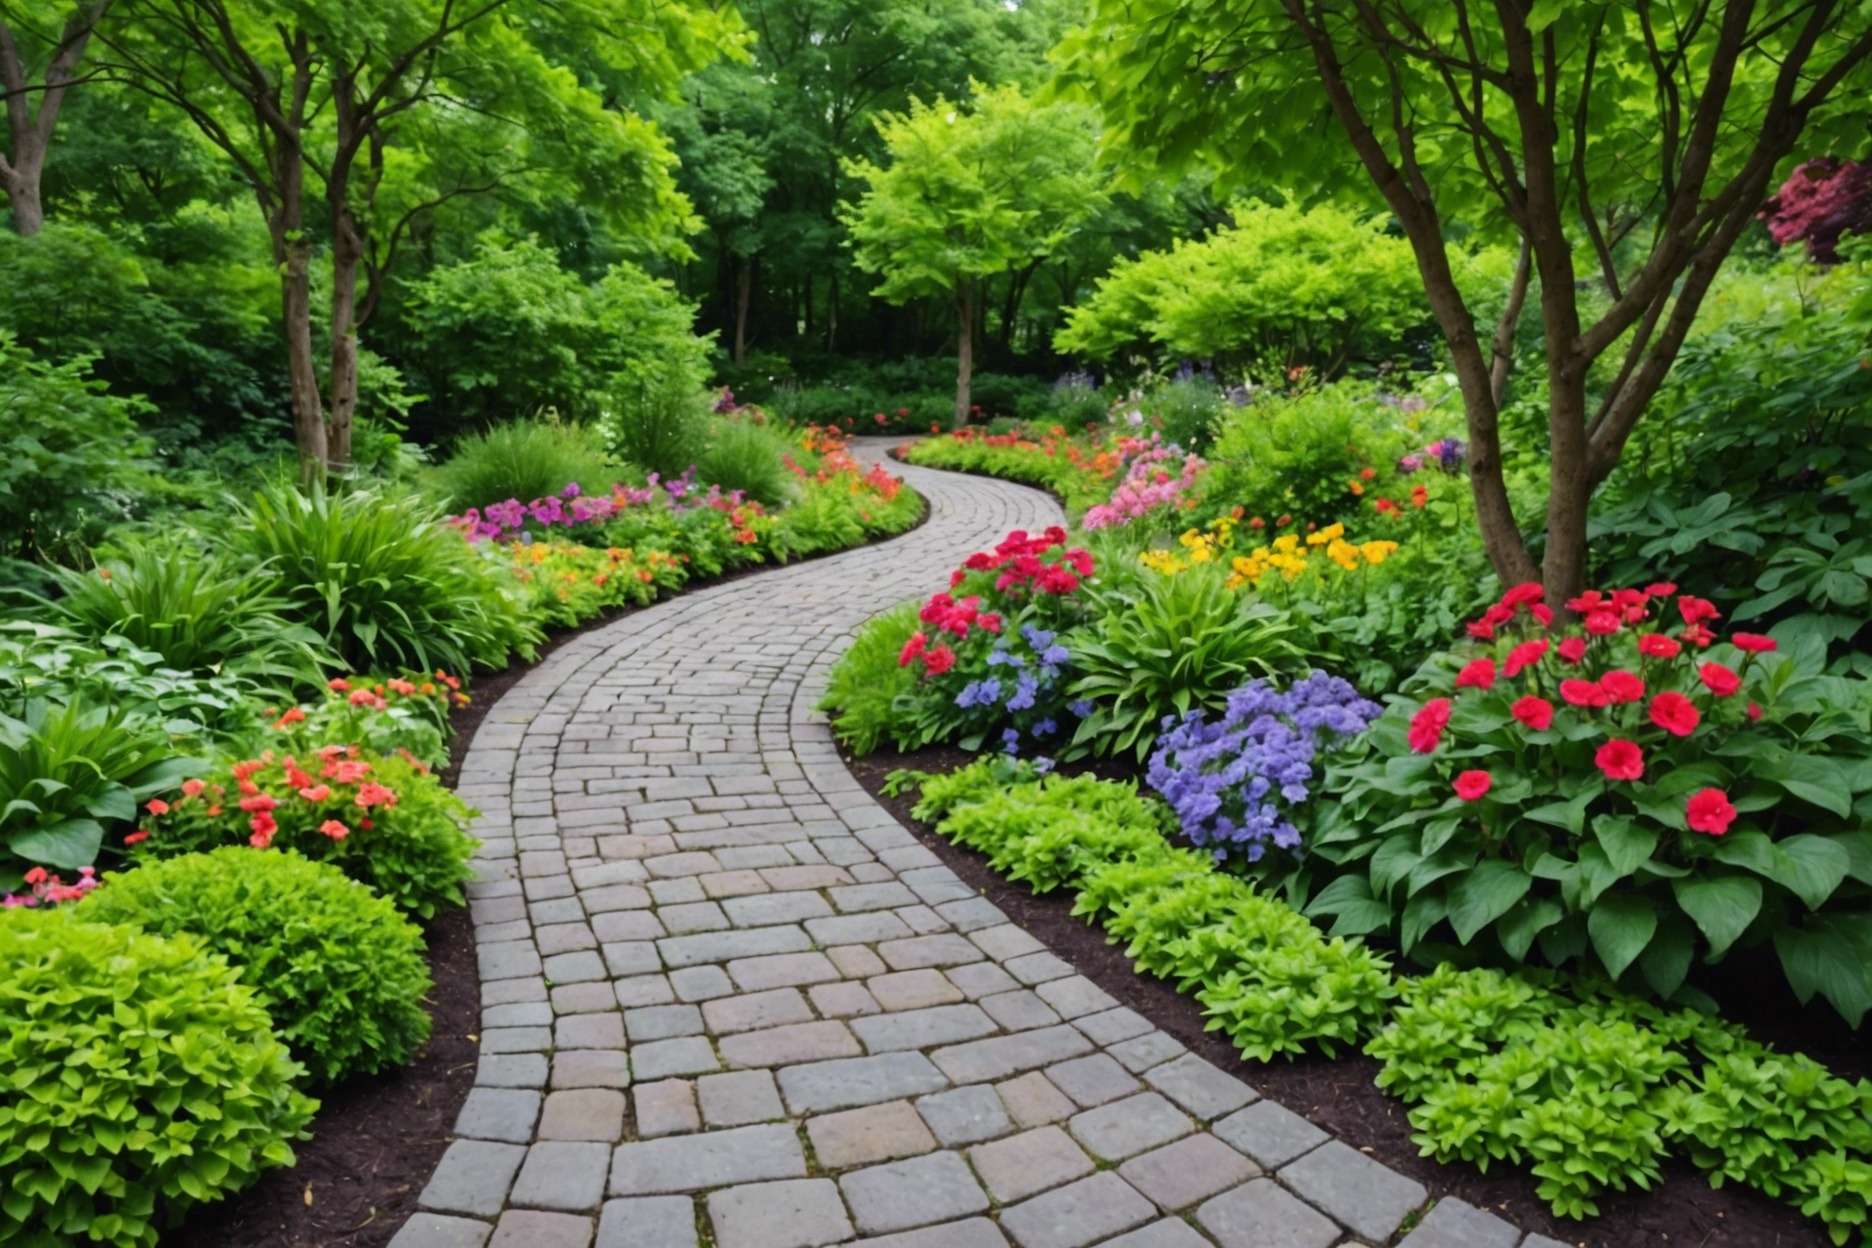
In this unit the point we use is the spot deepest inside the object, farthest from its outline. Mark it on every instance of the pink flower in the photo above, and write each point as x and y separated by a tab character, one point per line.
1587	693
1675	713
1427	725
1709	811
1602	623
1658	646
1471	785
1621	686
1620	759
1477	674
1753	643
334	829
1573	649
1719	680
1525	655
1534	712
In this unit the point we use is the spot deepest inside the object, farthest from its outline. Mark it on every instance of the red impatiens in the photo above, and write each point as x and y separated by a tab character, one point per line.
1675	713
1621	687
1589	693
1658	646
1709	811
1471	785
1620	759
1477	674
1719	680
1427	725
1752	643
1533	711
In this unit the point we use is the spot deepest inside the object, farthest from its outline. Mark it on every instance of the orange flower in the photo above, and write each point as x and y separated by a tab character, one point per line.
156	806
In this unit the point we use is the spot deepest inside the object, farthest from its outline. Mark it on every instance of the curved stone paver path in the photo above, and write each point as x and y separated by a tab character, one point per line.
727	998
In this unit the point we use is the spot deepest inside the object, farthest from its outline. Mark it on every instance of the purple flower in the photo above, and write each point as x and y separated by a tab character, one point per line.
1233	781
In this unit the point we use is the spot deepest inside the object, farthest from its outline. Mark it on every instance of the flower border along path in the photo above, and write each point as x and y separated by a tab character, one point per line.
726	994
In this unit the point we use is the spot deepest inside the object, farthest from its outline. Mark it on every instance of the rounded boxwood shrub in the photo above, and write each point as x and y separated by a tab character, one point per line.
340	971
138	1076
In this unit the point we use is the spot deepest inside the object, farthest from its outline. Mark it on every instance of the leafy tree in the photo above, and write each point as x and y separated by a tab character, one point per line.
971	191
1626	143
391	109
1821	202
1281	286
27	34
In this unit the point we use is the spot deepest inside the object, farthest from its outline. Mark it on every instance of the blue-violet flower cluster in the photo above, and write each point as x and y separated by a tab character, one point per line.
1234	781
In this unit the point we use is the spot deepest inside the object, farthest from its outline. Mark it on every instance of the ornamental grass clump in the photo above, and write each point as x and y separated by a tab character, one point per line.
1235	780
142	1077
1630	790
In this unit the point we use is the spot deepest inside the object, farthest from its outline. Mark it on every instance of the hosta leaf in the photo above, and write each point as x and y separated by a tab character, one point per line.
1722	907
67	844
1484	895
1812	866
1621	925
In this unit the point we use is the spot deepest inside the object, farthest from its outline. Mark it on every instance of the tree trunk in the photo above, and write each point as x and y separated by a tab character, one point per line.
22	186
744	292
1503	363
347	252
965	350
30	134
308	408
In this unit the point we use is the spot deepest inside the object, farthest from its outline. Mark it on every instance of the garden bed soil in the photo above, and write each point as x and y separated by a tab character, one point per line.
376	1141
1340	1095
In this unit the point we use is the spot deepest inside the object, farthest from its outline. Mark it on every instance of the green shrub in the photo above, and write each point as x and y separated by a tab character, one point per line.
742	455
69	454
1186	411
384	821
1301	454
523	459
1168	646
339	970
143	1077
867	681
382	579
68	770
201	611
658	425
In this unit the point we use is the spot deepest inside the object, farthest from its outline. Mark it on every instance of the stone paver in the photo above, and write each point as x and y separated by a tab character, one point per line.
727	998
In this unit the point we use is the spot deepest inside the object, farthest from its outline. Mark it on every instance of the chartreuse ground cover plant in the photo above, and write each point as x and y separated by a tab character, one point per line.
1632	792
1588	1088
143	1077
1080	471
338	969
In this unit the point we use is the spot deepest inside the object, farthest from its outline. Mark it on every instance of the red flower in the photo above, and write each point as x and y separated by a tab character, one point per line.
1573	649
1525	594
334	829
1696	610
1591	600
1588	693
912	649
1427	725
1419	496
156	806
1621	686
316	792
1754	710
1719	680
1709	811
1477	674
1698	636
192	787
1525	655
1481	630
1602	623
1661	589
1753	643
1471	785
260	802
137	837
938	659
338	684
1620	759
37	875
1534	712
1658	646
1675	714
1542	613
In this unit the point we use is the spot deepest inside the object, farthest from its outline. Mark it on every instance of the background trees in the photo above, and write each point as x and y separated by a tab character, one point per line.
1627	145
971	192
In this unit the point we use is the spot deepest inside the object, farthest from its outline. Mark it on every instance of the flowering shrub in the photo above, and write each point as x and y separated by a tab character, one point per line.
571	508
566	584
384	820
45	889
142	1077
1630	789
1153	480
406	714
1233	781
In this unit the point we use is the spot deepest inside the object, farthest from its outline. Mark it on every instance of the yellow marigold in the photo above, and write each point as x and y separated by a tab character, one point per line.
1163	561
1344	554
1377	552
1331	532
1288	542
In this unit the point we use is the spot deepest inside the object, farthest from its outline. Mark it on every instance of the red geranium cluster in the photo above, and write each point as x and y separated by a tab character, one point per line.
1022	567
1621	656
332	783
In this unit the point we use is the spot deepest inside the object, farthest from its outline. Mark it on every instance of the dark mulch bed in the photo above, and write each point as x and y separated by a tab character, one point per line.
1340	1094
376	1141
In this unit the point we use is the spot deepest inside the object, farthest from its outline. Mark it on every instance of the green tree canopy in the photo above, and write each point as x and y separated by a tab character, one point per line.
1626	144
970	191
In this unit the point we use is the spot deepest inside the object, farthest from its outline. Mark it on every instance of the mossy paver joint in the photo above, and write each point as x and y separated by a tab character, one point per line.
723	989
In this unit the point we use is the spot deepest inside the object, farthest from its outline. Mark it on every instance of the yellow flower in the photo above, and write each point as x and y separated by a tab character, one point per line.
1163	561
1288	542
1331	532
1344	554
1377	552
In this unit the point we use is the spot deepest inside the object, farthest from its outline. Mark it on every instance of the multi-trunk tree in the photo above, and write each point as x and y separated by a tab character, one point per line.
41	48
971	191
349	122
1625	144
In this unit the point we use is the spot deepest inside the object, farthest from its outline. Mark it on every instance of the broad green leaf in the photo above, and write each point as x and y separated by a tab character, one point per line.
67	844
1621	925
1722	907
1484	895
1626	844
1812	866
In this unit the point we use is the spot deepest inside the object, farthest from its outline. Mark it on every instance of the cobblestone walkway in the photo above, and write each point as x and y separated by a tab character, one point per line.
727	999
